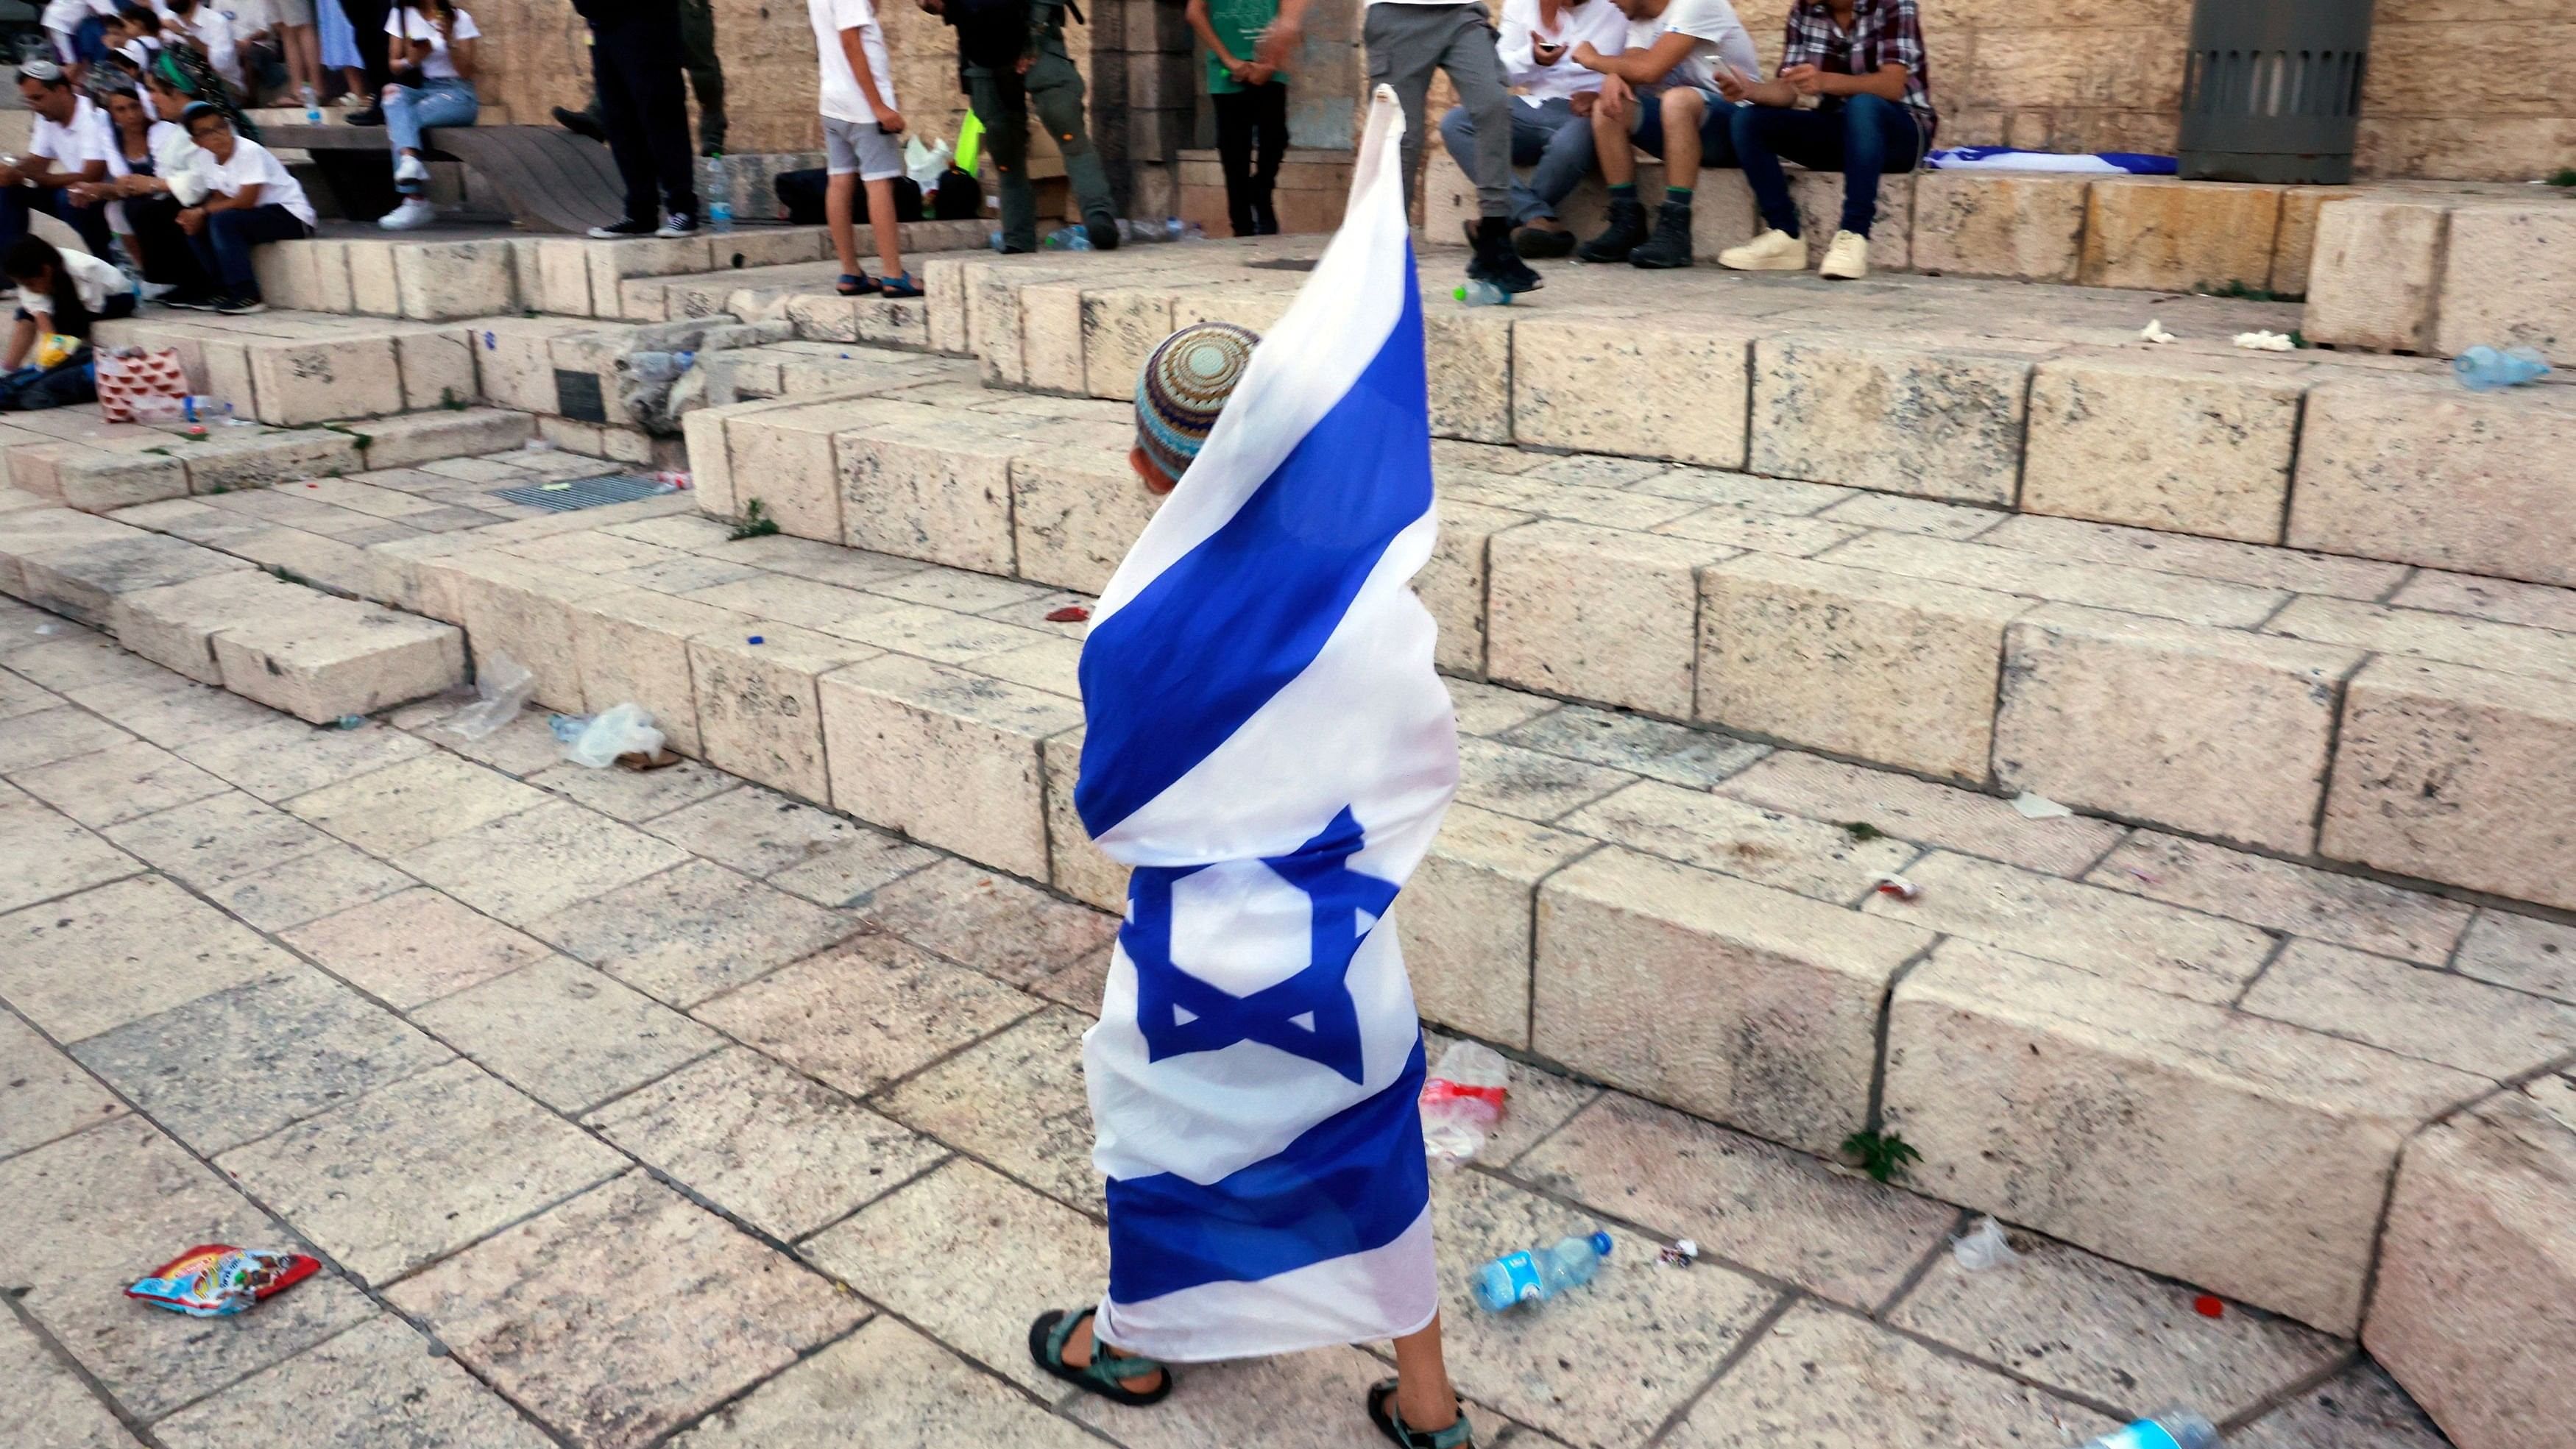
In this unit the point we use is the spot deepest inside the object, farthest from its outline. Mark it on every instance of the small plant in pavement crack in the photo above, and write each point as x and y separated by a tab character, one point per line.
1883	1155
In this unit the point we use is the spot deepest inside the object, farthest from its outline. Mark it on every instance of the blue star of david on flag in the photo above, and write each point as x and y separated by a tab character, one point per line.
1310	1014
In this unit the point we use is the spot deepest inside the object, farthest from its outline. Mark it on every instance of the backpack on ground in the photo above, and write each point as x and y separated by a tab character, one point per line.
800	195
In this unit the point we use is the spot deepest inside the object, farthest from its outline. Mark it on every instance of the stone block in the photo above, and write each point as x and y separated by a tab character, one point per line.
1596	614
334	657
1765	1004
1074	513
445	281
946	290
612	263
2242	1155
2189	446
1934	422
2430	1015
1468	352
947	757
2214	731
2475	1310
633	648
2294	244
222	465
939	493
1120	325
1075	866
428	437
174	627
1818	195
1980	224
2178	236
524	609
1897	670
437	367
82	581
759	713
2419	471
95	480
372	289
1603	385
2125	586
894	322
1454	584
785	459
1467	920
1049	316
514	362
2459	775
2509	280
710	461
555	275
2374	273
316	381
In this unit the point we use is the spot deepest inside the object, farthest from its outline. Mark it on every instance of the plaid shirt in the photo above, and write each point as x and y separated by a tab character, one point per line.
1883	32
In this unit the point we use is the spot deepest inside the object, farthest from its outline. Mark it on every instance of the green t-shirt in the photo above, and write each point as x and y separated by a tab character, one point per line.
1238	23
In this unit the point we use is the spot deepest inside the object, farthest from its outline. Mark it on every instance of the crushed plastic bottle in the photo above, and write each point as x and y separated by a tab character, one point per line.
2164	1429
1517	1278
1480	293
350	722
196	410
2485	369
994	241
1067	239
1461	1102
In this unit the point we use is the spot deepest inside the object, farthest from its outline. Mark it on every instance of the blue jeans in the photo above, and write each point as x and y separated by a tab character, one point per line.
1548	137
17	203
1716	132
1864	137
225	242
410	110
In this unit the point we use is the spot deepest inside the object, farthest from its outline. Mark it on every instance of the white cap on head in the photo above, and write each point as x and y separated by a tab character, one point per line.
40	69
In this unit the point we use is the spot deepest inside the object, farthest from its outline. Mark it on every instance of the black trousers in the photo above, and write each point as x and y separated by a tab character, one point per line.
1252	122
644	106
367	18
168	256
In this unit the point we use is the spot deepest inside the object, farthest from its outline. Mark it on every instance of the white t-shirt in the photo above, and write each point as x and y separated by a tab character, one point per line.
215	28
410	24
65	16
1599	22
250	17
252	165
96	281
72	144
1721	38
842	100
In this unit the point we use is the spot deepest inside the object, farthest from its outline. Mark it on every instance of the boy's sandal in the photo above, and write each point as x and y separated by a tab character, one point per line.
900	286
1108	1371
1383	1413
857	284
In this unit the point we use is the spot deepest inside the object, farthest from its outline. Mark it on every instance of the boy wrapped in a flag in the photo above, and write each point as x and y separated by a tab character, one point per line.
1269	748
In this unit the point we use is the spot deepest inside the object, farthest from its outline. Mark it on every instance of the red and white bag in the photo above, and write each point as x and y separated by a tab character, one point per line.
130	373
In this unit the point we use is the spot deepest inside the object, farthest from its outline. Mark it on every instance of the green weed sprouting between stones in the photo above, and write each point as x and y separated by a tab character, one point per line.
756	522
2563	176
1862	832
2243	293
1883	1155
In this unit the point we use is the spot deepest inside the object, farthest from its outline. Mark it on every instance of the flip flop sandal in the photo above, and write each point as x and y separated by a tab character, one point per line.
858	284
1382	1412
902	286
1108	1370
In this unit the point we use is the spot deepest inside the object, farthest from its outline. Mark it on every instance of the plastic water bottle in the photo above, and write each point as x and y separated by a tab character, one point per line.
1477	292
715	185
2484	369
2165	1429
1520	1277
194	410
312	106
1067	239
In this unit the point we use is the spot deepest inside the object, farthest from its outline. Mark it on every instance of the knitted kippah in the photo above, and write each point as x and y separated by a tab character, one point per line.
1183	386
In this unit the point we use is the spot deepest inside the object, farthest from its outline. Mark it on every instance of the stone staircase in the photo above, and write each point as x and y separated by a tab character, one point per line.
1750	590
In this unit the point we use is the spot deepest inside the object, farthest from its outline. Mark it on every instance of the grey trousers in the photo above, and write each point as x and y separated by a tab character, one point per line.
1405	44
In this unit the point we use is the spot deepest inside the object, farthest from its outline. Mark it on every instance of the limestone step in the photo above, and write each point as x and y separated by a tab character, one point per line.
2066	1000
100	467
293	368
2301	704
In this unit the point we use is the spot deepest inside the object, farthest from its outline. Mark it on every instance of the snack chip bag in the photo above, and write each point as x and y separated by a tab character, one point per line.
55	349
216	1280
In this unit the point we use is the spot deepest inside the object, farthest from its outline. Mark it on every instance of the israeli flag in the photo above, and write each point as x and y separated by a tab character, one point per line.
1271	751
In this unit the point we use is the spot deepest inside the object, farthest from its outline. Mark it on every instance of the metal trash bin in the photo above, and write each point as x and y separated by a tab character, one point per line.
2273	90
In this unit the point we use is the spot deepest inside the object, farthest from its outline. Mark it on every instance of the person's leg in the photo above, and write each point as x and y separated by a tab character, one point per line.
1878	136
1234	157
88	221
1764	134
1616	140
1678	112
303	48
840	195
168	260
1077	1352
1423	1394
1467	54
1270	149
706	72
402	129
13	214
1566	152
889	232
661	101
1404	44
234	233
367	25
1055	91
1003	102
625	127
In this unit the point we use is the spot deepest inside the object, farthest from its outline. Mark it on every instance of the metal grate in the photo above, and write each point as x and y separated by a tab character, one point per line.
577	493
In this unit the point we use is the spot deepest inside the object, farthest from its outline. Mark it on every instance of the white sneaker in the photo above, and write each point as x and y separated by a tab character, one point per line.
414	213
1773	251
411	168
1847	259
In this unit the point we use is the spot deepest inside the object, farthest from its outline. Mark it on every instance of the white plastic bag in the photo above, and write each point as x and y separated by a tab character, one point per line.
505	686
623	729
1983	1246
1461	1102
925	164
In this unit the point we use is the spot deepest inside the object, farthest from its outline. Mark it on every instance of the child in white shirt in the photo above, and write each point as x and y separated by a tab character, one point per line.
253	199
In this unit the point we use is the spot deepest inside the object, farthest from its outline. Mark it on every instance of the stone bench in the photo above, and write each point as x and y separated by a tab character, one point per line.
2440	268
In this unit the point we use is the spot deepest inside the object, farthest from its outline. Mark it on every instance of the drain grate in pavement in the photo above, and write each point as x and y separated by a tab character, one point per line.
575	493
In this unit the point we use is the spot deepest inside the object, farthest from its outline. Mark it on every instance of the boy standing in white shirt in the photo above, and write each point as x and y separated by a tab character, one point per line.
1552	115
1662	94
862	141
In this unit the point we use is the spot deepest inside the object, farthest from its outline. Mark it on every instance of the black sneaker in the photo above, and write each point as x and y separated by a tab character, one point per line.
1627	228
192	301
678	223
1539	242
1496	262
238	306
619	231
579	123
371	116
1670	246
1103	232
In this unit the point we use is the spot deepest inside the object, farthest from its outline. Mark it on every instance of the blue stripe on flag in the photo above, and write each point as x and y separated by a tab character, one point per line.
1352	1182
1171	676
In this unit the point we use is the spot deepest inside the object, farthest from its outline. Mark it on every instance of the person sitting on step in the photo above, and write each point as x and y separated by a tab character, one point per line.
60	294
1862	61
252	198
1661	95
150	163
63	140
1552	112
437	42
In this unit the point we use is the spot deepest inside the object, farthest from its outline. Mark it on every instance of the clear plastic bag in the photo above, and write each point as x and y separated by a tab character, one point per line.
623	729
505	686
1983	1246
1461	1102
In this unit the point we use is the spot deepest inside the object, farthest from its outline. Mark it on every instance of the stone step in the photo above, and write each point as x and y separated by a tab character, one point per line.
2301	704
2039	399
2268	1035
294	368
106	466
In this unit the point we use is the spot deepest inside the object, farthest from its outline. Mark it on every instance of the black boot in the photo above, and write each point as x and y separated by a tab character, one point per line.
1670	246
1103	232
1495	260
1627	228
1540	242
